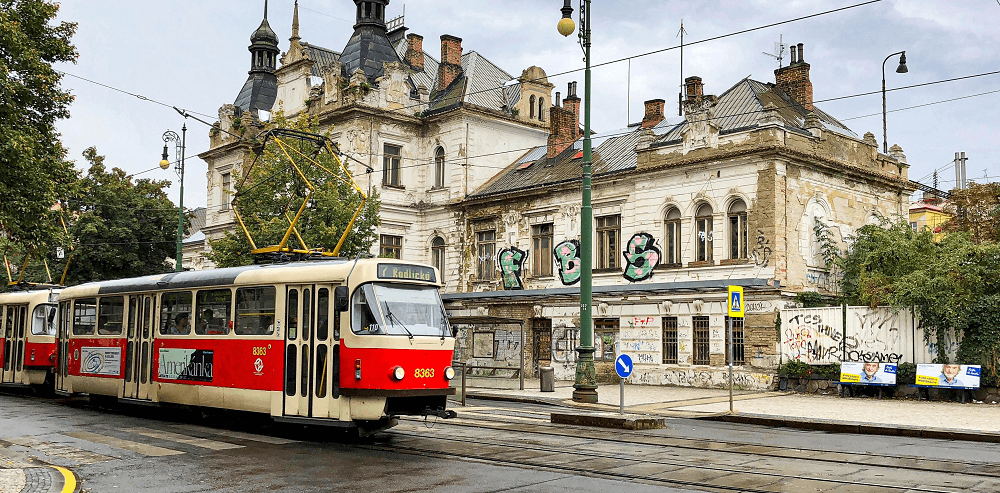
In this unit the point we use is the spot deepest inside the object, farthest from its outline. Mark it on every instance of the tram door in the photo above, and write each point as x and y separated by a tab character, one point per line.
13	346
139	348
309	358
65	319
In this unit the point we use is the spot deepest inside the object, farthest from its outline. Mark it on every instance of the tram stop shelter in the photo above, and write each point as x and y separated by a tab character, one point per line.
488	347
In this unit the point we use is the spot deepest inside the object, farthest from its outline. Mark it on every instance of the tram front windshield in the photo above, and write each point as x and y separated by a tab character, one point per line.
398	309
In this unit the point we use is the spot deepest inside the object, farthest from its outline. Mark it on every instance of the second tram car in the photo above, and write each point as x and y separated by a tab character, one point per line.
28	336
339	342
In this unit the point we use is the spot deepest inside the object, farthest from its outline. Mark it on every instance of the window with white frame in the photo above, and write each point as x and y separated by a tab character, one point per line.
738	230
485	244
390	165
439	167
703	221
672	236
437	253
541	250
608	232
224	196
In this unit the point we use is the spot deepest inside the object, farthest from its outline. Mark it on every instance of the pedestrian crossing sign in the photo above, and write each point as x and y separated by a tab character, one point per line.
736	306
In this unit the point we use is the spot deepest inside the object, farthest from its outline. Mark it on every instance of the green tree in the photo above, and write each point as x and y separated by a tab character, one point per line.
977	210
123	228
33	170
952	284
273	191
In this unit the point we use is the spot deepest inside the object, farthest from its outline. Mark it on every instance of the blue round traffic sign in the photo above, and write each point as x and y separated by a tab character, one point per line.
623	365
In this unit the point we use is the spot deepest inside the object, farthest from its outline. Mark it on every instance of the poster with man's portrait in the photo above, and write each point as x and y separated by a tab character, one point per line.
949	375
868	373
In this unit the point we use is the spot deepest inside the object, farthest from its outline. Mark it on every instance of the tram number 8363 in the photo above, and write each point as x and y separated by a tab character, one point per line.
423	373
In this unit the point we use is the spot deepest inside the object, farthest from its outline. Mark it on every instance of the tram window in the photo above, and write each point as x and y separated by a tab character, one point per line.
110	316
322	314
321	368
363	320
84	316
304	390
255	311
43	320
290	367
291	313
133	312
175	313
306	314
10	321
213	312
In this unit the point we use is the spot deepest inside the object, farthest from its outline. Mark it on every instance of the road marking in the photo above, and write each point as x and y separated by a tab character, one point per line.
69	479
139	448
77	455
235	434
188	440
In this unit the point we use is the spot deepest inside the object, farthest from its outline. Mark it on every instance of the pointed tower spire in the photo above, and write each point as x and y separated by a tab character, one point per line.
260	88
295	51
265	9
295	21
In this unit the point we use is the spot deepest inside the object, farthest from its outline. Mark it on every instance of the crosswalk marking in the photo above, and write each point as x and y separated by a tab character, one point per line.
235	434
140	448
77	455
177	437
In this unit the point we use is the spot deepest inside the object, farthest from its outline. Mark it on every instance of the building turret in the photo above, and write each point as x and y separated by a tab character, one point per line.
261	87
369	47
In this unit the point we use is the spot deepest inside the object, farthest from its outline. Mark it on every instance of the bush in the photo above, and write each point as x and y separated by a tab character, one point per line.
906	374
798	369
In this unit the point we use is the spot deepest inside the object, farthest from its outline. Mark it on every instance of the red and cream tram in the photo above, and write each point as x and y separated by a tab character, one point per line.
340	342
28	336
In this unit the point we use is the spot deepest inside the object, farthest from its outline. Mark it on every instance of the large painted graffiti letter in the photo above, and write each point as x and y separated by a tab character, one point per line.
567	255
641	257
511	262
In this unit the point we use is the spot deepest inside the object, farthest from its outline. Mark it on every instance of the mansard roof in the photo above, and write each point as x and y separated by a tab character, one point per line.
745	107
612	153
368	49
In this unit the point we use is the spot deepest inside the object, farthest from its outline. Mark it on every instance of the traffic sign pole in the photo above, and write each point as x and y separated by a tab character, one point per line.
730	364
736	309
623	367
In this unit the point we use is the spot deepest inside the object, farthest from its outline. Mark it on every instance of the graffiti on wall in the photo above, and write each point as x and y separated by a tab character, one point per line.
818	336
567	256
641	340
641	257
511	261
564	341
492	346
761	252
702	378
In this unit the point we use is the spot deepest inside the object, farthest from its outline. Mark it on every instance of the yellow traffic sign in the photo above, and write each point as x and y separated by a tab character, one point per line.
736	305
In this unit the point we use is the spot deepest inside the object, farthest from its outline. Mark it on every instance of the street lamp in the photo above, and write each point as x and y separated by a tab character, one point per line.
585	384
901	69
179	141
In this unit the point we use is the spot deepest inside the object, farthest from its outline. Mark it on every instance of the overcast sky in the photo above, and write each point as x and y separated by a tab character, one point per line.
193	55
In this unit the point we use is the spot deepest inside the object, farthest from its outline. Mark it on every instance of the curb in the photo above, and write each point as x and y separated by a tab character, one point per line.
857	428
608	420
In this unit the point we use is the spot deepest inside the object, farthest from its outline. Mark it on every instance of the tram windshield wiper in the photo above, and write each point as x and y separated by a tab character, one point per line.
395	321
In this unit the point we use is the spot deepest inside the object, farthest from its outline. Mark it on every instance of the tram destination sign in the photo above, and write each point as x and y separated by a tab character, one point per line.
406	272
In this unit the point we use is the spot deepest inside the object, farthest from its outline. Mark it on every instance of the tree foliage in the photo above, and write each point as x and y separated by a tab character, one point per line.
33	171
123	228
952	284
977	210
273	191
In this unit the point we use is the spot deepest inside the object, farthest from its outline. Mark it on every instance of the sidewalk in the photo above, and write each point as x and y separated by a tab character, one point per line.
972	421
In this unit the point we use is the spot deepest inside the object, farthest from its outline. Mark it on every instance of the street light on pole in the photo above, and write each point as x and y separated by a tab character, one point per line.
585	384
179	142
901	69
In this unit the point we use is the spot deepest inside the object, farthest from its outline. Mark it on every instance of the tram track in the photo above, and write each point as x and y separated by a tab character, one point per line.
986	469
727	471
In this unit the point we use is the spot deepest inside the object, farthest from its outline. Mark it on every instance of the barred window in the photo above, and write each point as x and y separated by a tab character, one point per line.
739	357
701	345
670	340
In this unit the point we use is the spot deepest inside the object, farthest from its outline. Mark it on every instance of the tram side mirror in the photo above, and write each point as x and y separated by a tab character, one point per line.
340	299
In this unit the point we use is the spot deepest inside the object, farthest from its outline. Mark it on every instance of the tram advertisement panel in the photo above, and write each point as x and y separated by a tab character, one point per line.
101	361
186	364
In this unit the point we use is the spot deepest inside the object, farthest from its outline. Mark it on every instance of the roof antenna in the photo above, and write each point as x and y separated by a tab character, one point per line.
779	50
680	95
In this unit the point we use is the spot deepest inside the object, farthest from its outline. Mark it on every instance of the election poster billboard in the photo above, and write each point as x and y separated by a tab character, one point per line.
870	373
949	375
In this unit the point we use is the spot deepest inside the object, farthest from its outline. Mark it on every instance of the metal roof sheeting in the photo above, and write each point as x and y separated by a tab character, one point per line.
321	56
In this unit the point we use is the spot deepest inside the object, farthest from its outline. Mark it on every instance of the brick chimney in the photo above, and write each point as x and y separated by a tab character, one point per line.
694	90
654	113
415	51
450	67
794	79
564	123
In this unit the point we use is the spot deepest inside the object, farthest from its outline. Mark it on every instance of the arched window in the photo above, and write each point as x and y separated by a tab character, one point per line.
531	106
703	221
541	109
439	167
437	254
672	233
738	230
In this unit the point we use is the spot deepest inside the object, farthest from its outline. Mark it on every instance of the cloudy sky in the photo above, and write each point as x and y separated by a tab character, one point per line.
193	55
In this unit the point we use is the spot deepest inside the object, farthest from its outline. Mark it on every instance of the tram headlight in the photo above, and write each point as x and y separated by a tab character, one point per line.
398	373
449	373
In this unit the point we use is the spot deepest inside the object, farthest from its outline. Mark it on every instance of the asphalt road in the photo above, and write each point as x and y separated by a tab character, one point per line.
491	447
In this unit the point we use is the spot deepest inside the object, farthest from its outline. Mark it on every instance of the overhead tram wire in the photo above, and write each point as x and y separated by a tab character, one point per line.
139	96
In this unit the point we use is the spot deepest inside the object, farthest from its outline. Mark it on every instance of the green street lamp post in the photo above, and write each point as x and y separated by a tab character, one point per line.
179	142
585	385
